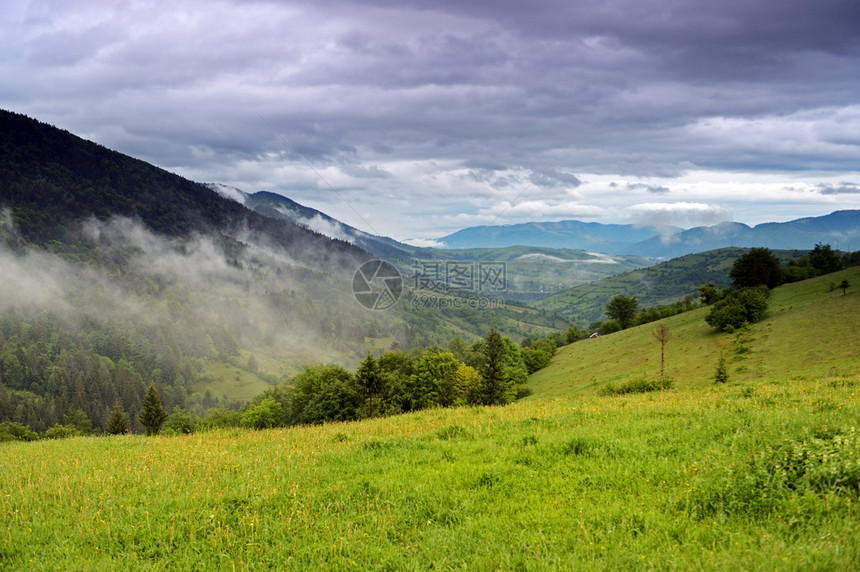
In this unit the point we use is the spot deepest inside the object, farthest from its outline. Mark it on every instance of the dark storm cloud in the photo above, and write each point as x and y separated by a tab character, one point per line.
459	99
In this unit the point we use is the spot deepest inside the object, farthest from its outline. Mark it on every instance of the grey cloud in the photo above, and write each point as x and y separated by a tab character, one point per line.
484	164
838	189
372	172
631	88
678	214
656	189
555	178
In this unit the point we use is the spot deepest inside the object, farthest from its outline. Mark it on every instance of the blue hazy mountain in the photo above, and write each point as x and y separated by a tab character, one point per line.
572	234
840	229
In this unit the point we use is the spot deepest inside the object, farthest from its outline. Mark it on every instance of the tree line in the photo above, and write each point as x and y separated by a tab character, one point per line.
753	275
491	371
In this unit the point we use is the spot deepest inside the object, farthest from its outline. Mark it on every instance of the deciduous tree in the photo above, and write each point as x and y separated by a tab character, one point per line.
824	260
744	306
709	293
758	267
663	335
623	309
182	421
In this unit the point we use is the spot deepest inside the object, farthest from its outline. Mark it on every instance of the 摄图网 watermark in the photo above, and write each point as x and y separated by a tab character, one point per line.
435	284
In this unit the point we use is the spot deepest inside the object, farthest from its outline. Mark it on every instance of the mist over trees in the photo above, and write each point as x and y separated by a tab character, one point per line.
140	309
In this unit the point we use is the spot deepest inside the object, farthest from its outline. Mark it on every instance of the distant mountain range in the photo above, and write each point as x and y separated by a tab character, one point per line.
573	234
532	272
840	229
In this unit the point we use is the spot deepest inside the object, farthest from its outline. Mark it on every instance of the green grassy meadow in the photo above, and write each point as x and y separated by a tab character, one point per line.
761	473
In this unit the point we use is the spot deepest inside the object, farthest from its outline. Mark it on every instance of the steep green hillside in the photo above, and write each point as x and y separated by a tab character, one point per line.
116	274
809	331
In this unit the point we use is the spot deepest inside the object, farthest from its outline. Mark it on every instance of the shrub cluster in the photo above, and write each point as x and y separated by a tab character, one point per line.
636	386
745	306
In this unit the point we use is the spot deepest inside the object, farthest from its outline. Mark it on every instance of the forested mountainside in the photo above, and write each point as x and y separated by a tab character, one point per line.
117	274
52	179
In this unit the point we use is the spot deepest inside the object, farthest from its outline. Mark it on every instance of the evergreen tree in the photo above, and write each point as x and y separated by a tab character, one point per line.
152	415
722	373
117	421
494	379
369	378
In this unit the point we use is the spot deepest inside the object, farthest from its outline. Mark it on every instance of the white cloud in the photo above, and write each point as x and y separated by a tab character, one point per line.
677	214
328	228
425	243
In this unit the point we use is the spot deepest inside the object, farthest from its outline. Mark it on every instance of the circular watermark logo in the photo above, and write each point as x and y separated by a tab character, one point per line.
377	285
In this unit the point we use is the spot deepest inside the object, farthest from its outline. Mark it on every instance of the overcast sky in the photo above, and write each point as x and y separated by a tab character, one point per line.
420	118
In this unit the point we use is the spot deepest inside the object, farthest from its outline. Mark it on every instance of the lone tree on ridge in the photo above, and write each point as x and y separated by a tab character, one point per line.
663	335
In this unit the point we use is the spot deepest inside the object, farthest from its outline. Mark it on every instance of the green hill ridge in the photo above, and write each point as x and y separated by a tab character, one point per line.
809	330
657	285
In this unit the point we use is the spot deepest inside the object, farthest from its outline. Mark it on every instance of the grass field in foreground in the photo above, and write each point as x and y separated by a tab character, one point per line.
743	476
809	330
